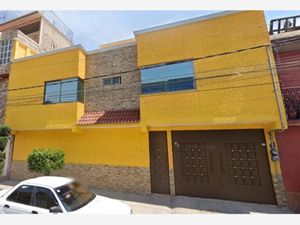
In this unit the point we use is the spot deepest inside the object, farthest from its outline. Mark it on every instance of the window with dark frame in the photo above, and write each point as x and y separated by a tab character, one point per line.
5	51
168	78
111	81
67	90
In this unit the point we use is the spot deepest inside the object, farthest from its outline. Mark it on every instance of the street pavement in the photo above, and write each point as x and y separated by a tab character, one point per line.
165	204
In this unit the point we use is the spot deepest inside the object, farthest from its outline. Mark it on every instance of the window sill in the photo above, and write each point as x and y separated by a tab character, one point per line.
62	103
169	93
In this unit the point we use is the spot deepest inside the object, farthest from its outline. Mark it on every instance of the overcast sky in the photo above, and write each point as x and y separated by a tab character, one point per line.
92	28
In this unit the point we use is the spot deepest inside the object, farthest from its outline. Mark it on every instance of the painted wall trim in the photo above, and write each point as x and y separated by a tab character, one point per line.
46	129
50	53
97	127
188	21
256	125
110	48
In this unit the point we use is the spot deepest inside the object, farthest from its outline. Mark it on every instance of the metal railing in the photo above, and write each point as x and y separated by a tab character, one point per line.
7	15
285	24
291	98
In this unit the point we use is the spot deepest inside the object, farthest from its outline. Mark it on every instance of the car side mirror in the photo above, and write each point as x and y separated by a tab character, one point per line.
55	209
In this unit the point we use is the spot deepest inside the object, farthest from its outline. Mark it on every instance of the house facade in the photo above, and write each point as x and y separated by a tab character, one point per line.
24	35
285	38
183	109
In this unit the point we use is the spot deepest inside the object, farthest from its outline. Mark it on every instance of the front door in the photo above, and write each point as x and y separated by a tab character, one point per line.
159	164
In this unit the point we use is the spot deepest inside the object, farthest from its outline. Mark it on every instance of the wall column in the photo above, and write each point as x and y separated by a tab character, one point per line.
171	168
275	169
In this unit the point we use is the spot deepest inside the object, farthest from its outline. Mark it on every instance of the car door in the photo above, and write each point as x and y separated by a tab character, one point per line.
19	201
43	200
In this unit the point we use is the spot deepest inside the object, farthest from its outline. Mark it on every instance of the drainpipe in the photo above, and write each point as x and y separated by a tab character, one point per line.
273	149
272	69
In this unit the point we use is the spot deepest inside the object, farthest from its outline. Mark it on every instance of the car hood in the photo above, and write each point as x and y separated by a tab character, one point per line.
103	205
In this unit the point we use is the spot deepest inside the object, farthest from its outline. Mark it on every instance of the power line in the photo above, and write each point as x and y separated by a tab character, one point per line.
100	91
137	70
200	90
235	73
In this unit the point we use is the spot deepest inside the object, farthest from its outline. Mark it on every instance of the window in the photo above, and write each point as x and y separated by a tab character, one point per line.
111	81
5	51
21	195
44	198
167	78
74	196
67	90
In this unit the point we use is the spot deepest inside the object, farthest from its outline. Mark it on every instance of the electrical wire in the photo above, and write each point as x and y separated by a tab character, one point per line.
236	73
179	76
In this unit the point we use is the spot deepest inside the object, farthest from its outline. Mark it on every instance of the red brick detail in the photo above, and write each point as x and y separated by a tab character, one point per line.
112	116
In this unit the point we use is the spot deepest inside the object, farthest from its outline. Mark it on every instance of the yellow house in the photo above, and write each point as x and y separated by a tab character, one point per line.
184	109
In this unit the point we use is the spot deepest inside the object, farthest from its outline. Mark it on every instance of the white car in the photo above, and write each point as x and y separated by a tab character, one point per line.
51	194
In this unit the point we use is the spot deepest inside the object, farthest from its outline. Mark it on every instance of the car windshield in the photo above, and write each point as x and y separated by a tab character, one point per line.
74	196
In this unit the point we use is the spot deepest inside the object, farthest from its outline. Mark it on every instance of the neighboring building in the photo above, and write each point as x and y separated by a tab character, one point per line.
182	110
285	37
24	35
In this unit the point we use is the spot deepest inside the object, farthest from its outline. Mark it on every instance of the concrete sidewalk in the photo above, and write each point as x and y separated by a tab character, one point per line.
159	204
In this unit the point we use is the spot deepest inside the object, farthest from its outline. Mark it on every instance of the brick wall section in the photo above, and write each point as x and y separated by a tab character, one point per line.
279	190
3	86
51	38
113	178
112	97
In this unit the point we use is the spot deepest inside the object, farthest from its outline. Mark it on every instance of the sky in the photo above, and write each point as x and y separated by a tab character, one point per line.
92	28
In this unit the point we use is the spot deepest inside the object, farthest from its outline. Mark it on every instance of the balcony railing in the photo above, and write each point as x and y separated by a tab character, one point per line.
291	98
7	15
285	24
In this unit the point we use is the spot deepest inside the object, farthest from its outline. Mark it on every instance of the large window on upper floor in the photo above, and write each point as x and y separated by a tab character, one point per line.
168	78
5	51
67	90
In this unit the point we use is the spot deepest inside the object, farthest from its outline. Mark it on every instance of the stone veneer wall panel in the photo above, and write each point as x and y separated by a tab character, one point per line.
113	178
51	38
113	97
279	190
3	86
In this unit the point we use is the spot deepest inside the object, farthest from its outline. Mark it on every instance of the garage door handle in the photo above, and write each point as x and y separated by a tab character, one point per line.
210	162
34	212
6	206
221	162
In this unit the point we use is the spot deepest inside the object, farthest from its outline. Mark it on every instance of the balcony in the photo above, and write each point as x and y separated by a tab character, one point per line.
8	15
283	25
291	96
6	50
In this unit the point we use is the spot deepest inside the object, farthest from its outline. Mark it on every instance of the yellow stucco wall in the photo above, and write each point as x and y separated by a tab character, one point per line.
246	97
240	99
115	146
20	50
244	100
25	109
207	37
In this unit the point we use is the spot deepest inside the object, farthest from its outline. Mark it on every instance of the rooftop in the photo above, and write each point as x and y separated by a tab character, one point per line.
49	181
10	16
188	21
110	117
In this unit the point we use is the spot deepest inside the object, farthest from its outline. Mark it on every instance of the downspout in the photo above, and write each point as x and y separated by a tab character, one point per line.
273	147
272	69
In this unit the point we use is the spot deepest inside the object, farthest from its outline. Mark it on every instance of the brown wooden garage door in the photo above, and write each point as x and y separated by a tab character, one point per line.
159	165
229	165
